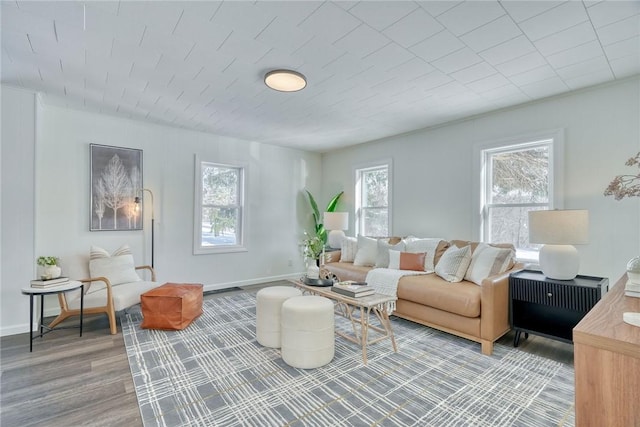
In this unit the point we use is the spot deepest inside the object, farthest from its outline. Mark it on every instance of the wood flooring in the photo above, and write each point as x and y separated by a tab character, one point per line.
74	381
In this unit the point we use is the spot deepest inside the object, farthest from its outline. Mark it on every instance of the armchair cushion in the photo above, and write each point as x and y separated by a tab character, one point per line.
124	296
118	267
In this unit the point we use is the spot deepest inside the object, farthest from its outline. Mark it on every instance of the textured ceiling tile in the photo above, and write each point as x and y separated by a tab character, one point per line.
413	28
612	11
285	35
569	38
522	10
552	21
411	69
432	80
508	50
586	67
458	60
318	52
161	16
437	46
492	34
544	88
620	30
436	8
381	15
331	21
389	55
537	74
475	72
576	54
470	15
625	66
590	79
623	48
362	41
501	92
491	82
520	65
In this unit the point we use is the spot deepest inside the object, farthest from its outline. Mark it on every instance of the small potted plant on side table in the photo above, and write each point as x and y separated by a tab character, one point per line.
50	268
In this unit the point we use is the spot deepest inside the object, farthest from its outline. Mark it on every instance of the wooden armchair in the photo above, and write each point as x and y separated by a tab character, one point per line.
103	297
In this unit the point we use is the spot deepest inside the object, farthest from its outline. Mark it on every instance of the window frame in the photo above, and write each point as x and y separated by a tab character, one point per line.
239	246
482	151
358	171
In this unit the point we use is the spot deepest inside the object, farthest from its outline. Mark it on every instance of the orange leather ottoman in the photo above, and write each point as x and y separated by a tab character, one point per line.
172	306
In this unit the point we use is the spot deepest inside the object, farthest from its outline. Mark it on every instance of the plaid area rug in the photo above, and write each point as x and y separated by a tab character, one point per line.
215	373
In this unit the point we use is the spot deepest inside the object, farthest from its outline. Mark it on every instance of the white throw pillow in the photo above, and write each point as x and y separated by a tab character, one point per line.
348	249
118	267
394	260
382	257
430	246
487	261
454	263
367	251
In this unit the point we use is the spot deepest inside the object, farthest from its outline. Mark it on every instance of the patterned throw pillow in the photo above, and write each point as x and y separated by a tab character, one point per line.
454	263
367	251
488	261
382	258
348	249
118	267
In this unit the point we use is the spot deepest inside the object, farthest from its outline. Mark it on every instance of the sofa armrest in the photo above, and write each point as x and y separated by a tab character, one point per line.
494	304
151	269
333	256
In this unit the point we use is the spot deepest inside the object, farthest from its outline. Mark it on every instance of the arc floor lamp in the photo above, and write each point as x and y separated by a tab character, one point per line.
153	227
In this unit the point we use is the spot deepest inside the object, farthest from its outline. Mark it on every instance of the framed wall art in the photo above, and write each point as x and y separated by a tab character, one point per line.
116	180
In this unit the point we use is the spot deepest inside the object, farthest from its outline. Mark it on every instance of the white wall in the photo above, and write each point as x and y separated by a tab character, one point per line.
276	208
17	265
433	182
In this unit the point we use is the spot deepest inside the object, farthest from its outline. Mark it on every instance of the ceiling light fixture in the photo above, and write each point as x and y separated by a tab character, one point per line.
285	80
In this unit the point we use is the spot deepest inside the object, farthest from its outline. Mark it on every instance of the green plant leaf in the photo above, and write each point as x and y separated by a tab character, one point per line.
314	207
334	202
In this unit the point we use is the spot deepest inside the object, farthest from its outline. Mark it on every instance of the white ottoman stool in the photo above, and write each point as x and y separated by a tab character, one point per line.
268	307
308	335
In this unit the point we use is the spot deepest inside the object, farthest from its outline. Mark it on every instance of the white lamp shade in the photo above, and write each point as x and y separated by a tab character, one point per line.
336	220
559	227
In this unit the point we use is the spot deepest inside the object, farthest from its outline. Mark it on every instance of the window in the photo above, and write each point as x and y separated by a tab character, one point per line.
373	214
219	208
517	178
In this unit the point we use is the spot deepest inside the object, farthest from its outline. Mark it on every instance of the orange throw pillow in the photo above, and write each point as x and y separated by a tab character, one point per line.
412	261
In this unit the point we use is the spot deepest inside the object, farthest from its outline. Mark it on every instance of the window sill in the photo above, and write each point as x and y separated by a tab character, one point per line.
219	250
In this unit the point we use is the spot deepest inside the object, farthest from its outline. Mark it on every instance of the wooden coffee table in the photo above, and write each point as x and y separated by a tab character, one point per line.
378	304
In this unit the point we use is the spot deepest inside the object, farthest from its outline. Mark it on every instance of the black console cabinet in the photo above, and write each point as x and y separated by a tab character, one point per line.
548	307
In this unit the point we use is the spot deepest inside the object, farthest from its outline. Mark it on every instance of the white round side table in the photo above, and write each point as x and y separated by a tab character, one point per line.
69	286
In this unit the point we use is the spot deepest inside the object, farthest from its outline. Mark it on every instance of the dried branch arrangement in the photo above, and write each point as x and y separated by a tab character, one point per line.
625	185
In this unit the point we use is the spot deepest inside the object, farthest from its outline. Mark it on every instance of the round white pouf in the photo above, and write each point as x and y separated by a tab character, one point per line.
308	334
268	308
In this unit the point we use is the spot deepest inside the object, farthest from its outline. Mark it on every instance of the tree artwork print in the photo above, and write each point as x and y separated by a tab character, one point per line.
116	180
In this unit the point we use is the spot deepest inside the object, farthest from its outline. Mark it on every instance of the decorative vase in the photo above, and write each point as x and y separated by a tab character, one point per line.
633	270
313	272
51	272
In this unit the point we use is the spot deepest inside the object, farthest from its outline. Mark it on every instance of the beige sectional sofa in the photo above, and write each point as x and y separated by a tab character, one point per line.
476	312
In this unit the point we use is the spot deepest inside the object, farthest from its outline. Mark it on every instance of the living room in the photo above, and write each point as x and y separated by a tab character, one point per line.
46	205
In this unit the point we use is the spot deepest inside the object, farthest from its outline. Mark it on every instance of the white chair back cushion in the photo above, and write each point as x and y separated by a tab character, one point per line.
118	267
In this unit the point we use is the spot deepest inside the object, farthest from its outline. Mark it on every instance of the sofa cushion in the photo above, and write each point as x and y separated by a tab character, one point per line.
461	298
348	249
487	261
348	271
454	263
367	251
433	247
382	256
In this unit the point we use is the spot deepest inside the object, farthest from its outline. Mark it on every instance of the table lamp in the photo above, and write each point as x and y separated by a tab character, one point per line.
336	222
559	230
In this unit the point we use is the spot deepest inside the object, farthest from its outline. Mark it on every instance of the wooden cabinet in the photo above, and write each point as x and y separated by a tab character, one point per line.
607	363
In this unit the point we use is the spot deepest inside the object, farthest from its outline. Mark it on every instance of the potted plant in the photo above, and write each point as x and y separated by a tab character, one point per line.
50	267
317	218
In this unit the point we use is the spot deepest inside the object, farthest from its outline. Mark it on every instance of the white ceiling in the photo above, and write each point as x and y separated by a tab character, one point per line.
374	68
